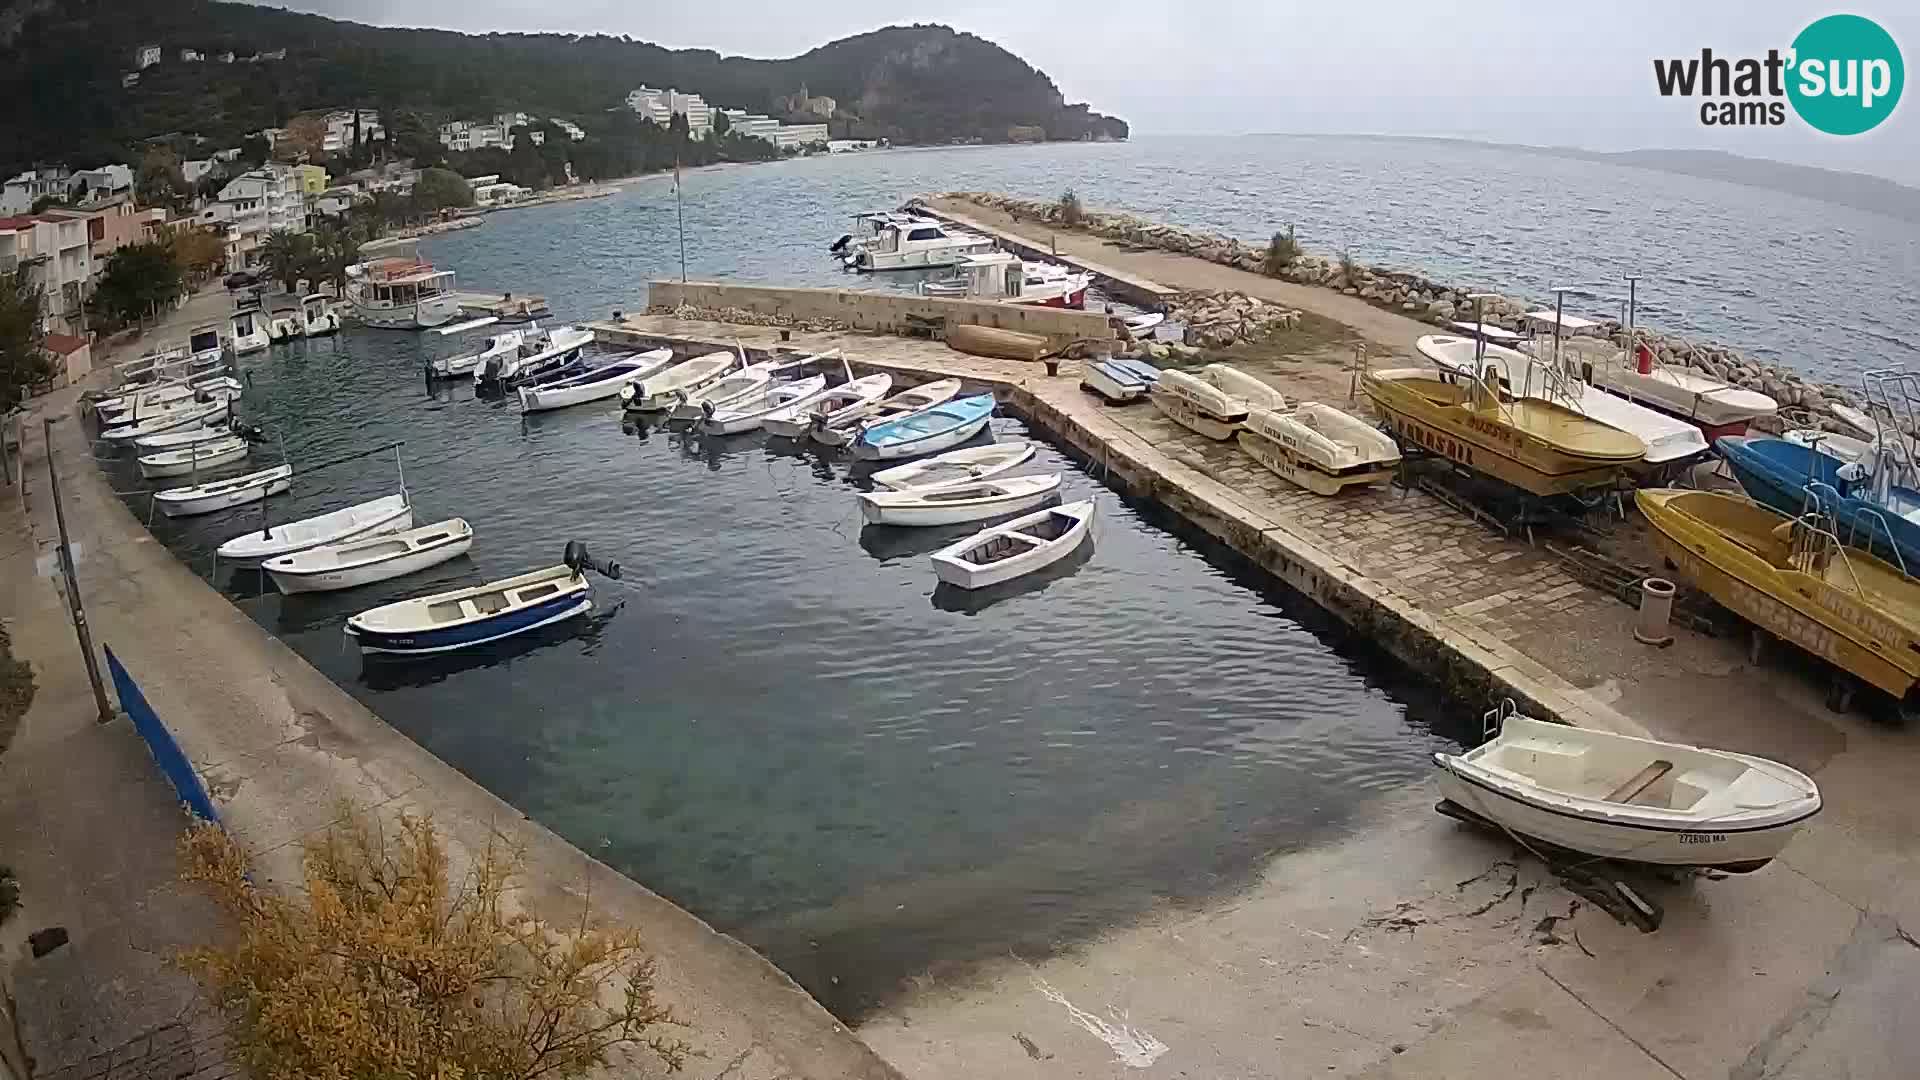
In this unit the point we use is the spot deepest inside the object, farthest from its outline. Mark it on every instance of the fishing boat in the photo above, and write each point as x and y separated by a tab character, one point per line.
917	245
1214	400
198	414
956	504
1318	447
501	344
1004	278
779	400
929	431
842	429
1015	548
1631	799
389	513
463	618
332	567
742	387
1536	446
1791	577
221	494
402	294
599	382
1874	511
669	388
198	457
1119	381
247	331
956	466
540	352
846	404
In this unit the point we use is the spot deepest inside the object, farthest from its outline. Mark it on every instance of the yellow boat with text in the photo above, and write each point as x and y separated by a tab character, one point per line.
1792	578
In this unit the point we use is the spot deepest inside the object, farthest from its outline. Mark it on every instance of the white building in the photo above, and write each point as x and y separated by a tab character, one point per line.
94	185
462	135
572	129
496	194
146	56
660	106
21	192
796	136
195	170
752	125
57	256
339	137
254	204
650	104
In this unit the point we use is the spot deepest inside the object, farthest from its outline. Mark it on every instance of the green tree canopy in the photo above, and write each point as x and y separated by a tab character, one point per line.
24	363
441	189
139	279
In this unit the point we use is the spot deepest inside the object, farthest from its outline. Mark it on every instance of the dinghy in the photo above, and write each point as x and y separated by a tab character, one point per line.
1144	324
220	494
498	345
172	399
958	466
1018	547
378	558
196	458
202	413
841	429
740	388
1638	800
1214	400
1118	381
464	618
663	391
778	400
1318	447
190	436
852	400
958	504
928	432
596	383
389	513
538	354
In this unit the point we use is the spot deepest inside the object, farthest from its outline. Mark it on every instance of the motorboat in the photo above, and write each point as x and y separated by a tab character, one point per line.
1793	578
841	429
1637	800
247	331
284	326
1142	326
402	294
1015	548
917	245
196	458
956	504
846	403
540	352
672	386
1119	381
738	388
187	436
348	565
1535	445
781	399
389	513
463	618
1318	447
198	414
221	494
601	381
956	466
112	417
867	226
1004	278
1214	400
506	343
317	316
1669	440
1874	511
930	431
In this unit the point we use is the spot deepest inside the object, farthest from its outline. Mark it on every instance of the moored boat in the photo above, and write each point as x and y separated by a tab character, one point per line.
665	390
539	353
195	414
502	344
781	400
1318	447
741	387
954	504
464	618
603	380
196	458
1015	548
317	316
842	429
1004	278
247	331
402	293
916	244
389	513
221	494
845	403
1214	400
957	466
347	565
927	432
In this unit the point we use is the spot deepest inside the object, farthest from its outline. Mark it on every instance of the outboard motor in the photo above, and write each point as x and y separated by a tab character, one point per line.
579	560
841	244
250	432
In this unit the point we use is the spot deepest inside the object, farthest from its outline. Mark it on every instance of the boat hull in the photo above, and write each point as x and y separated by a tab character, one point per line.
1782	484
1289	466
197	463
421	315
964	574
468	635
207	504
885	511
932	443
333	580
1192	417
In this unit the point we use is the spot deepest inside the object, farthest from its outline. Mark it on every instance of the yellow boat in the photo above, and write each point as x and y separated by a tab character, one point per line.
1793	579
1535	445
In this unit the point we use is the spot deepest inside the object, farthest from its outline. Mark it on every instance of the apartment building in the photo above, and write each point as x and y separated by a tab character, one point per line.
56	255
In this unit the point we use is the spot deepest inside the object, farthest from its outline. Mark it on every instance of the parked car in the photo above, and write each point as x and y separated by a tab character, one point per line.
240	280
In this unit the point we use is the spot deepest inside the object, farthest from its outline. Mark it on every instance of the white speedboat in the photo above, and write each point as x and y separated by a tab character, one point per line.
284	326
221	494
778	400
247	331
317	316
389	513
599	382
1016	548
1214	400
1638	800
1717	406
539	352
1318	447
670	387
198	414
917	245
1005	278
842	429
742	387
957	466
377	558
847	403
1118	381
463	618
502	344
196	458
956	504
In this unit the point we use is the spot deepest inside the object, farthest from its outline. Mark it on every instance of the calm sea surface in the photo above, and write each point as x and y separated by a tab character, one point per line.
776	719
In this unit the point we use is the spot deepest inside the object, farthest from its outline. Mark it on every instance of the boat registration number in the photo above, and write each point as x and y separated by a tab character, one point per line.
1703	838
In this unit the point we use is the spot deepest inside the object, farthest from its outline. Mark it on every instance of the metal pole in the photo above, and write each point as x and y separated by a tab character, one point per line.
680	214
73	581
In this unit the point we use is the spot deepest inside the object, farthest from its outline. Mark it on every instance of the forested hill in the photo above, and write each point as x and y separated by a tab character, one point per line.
62	61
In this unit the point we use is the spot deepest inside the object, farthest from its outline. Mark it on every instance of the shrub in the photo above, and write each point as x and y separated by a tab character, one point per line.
1348	267
1281	251
1071	212
380	966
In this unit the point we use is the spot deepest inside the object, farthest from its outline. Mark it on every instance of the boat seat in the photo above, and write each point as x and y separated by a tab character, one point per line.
490	603
1639	782
1560	768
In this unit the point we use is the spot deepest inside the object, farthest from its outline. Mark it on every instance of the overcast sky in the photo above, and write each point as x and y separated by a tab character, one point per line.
1557	74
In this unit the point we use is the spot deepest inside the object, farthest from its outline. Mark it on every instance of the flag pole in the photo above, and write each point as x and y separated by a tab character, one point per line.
682	216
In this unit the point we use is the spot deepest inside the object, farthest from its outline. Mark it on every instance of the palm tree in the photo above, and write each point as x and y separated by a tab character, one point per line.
285	256
333	251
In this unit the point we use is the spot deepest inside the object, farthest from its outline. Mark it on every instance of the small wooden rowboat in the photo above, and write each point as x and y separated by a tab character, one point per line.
955	504
778	400
365	561
197	414
841	429
956	466
995	342
852	400
220	494
661	392
389	513
942	427
1637	800
464	618
198	457
1018	547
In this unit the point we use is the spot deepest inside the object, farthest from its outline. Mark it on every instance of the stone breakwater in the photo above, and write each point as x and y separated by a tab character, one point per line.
1412	294
743	317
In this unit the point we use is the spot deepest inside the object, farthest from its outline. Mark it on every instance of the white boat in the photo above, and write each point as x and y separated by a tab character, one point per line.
187	402
665	390
916	245
1016	548
389	513
1639	800
501	344
929	431
247	330
1318	447
747	416
317	316
1668	439
220	494
1716	405
463	618
1214	400
742	387
850	401
189	436
196	458
402	294
955	467
956	504
842	429
540	351
1118	381
110	410
1144	324
378	558
209	412
1004	278
597	383
284	326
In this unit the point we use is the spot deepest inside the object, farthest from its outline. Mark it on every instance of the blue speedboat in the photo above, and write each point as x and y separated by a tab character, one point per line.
1794	479
463	618
942	427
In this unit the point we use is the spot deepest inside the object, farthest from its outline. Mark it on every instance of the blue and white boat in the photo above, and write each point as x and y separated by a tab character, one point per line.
928	432
602	379
540	352
1870	512
1117	380
464	618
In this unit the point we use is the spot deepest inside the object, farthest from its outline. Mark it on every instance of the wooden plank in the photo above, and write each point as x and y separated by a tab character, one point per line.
1640	782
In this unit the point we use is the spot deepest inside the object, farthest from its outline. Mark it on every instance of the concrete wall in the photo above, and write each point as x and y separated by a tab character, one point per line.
880	312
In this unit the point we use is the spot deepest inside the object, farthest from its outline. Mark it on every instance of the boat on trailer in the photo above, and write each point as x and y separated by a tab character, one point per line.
389	513
221	494
464	618
842	429
957	504
957	466
1214	400
348	565
1318	447
1015	548
846	403
927	432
